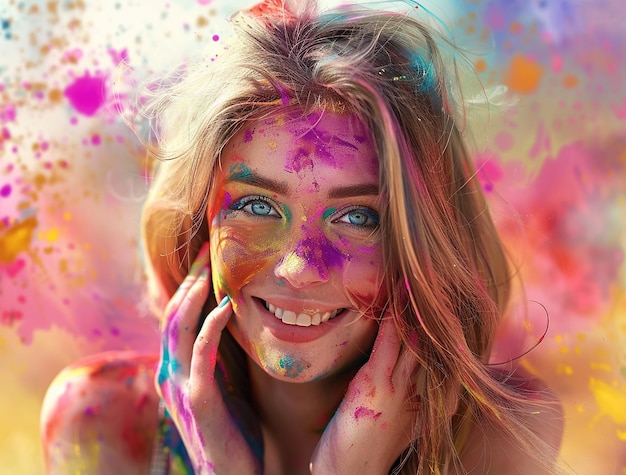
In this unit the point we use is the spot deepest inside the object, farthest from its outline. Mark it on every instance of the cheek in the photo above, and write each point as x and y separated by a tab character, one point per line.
363	276
239	253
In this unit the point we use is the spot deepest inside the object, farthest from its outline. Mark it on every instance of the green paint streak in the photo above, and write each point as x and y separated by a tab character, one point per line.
239	171
328	212
286	212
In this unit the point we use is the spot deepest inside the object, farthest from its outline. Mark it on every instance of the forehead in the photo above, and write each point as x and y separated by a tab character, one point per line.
294	142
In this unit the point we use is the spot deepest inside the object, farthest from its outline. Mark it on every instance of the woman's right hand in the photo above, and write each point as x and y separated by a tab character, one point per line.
186	379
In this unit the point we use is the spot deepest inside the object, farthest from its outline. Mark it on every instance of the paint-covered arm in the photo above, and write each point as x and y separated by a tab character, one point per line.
373	423
100	416
187	384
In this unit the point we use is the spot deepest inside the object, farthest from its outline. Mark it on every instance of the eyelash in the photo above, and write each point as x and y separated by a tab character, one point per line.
370	214
250	200
246	201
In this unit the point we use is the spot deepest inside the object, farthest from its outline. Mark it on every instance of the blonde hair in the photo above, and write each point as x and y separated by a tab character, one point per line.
445	268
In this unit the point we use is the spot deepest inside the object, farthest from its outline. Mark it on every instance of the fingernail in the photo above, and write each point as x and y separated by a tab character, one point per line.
224	301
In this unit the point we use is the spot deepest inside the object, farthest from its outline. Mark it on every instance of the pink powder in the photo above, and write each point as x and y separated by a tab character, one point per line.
363	411
86	94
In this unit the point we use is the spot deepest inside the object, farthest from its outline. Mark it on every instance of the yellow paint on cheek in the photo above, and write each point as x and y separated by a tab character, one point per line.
240	253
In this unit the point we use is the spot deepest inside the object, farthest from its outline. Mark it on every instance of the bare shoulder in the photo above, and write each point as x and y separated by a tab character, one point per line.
489	451
101	414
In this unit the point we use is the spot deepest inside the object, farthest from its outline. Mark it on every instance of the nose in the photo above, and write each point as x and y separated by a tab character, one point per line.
307	261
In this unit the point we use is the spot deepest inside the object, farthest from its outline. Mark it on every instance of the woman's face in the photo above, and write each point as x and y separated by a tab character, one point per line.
295	243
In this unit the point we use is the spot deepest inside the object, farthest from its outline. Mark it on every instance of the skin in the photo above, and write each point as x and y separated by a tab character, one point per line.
283	231
326	401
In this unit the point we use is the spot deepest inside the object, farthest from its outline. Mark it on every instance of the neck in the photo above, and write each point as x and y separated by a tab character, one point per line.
294	415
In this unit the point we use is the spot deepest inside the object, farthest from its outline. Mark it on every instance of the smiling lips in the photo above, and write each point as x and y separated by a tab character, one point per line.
301	319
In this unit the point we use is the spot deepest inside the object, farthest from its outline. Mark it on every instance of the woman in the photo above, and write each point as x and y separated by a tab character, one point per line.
317	170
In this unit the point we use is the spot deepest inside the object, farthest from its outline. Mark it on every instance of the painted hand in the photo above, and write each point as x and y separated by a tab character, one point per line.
186	379
374	422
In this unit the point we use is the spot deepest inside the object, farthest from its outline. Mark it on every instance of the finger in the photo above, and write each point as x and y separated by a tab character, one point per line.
200	263
205	348
386	351
181	311
181	328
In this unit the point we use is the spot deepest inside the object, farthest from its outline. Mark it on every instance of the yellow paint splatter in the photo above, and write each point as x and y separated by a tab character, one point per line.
610	400
601	366
51	235
17	239
523	75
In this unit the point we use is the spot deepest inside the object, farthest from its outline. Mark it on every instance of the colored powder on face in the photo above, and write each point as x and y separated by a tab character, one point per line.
319	253
248	135
325	144
328	212
363	411
17	239
292	368
86	94
239	171
524	75
286	213
301	159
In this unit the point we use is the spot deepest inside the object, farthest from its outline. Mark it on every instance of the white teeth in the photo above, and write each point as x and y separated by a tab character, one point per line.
289	317
302	319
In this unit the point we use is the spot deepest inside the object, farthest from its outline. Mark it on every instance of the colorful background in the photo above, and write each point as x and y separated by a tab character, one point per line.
72	179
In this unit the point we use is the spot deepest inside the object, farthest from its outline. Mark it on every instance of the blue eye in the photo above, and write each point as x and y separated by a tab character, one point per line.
255	205
360	217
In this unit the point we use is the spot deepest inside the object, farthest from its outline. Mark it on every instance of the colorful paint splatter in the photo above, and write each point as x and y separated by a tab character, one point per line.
72	180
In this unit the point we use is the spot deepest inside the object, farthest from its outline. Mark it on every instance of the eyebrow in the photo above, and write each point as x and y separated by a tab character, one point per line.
253	179
259	181
360	189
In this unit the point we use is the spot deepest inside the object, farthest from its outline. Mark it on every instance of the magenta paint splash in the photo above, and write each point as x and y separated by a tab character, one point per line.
365	412
86	94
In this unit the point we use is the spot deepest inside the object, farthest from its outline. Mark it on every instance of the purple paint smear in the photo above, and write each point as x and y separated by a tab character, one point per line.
86	94
363	411
319	253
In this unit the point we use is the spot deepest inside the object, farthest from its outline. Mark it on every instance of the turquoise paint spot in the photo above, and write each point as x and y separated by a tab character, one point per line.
328	212
292	367
239	171
169	366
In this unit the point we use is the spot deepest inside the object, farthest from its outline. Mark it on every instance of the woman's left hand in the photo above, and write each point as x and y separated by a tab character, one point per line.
374	423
